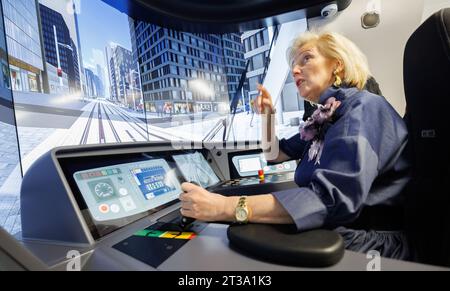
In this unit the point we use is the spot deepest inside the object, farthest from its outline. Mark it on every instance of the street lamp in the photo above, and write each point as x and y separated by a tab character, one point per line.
125	97
59	69
133	89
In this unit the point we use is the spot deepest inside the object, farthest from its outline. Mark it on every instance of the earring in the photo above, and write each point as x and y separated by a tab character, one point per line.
338	81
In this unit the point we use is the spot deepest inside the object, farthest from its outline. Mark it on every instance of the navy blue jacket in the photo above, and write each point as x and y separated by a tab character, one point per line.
362	164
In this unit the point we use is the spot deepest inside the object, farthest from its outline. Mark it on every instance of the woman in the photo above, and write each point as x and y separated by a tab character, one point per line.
351	153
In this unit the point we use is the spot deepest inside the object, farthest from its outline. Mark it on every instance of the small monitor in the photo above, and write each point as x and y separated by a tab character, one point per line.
249	164
195	168
123	190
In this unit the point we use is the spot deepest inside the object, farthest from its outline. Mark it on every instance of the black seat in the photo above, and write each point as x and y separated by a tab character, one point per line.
426	80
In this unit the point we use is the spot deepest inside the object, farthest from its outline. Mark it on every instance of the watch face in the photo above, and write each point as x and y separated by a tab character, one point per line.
241	214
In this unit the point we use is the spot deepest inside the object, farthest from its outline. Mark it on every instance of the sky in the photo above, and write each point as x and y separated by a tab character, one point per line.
100	24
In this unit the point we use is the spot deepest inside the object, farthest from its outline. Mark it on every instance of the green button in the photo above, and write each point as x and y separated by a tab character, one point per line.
149	233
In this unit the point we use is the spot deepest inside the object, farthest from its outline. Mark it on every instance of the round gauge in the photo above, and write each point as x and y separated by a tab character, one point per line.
103	190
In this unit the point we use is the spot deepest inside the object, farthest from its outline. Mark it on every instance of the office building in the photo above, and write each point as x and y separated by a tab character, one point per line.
78	42
52	20
90	85
24	44
233	51
136	76
58	83
257	48
70	9
256	45
5	80
94	85
121	66
101	77
183	72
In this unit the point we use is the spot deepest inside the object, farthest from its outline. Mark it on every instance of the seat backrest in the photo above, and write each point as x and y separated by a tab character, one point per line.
426	82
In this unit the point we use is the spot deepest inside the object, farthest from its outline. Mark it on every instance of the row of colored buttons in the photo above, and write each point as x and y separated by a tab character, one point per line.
105	208
279	167
96	174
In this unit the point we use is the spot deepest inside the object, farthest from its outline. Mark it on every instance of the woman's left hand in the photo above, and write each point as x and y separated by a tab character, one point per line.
203	205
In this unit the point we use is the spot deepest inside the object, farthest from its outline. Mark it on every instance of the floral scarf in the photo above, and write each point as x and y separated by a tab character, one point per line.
315	128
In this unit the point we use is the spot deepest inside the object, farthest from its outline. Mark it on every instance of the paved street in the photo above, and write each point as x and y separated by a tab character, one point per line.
9	160
10	213
10	175
9	157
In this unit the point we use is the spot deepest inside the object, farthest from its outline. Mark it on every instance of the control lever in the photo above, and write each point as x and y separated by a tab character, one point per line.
186	221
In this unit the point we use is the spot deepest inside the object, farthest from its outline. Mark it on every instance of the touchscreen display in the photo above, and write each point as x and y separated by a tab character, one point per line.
195	168
249	165
123	190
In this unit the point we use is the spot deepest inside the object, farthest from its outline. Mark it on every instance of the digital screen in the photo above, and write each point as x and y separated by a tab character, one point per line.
195	168
250	165
124	190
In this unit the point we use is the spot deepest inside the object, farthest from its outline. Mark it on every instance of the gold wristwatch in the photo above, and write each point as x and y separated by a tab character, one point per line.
242	212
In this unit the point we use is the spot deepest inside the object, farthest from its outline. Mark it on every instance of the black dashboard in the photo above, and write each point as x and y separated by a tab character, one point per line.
115	189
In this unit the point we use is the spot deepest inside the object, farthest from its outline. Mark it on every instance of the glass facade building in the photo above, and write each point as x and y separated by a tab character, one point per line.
233	51
68	55
94	84
24	44
125	89
257	48
5	82
256	45
10	169
183	72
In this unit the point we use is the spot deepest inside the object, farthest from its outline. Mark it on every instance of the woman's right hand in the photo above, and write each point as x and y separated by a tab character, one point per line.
263	103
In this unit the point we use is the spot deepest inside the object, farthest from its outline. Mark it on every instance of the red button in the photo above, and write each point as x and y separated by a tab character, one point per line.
104	208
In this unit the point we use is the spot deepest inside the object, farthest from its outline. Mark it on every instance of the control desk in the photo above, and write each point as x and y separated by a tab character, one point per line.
116	205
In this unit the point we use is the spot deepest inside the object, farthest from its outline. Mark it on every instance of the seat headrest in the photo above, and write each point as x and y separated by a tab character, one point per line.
432	41
445	16
443	21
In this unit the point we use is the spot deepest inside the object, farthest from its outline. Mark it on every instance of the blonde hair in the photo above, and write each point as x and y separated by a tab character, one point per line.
335	46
